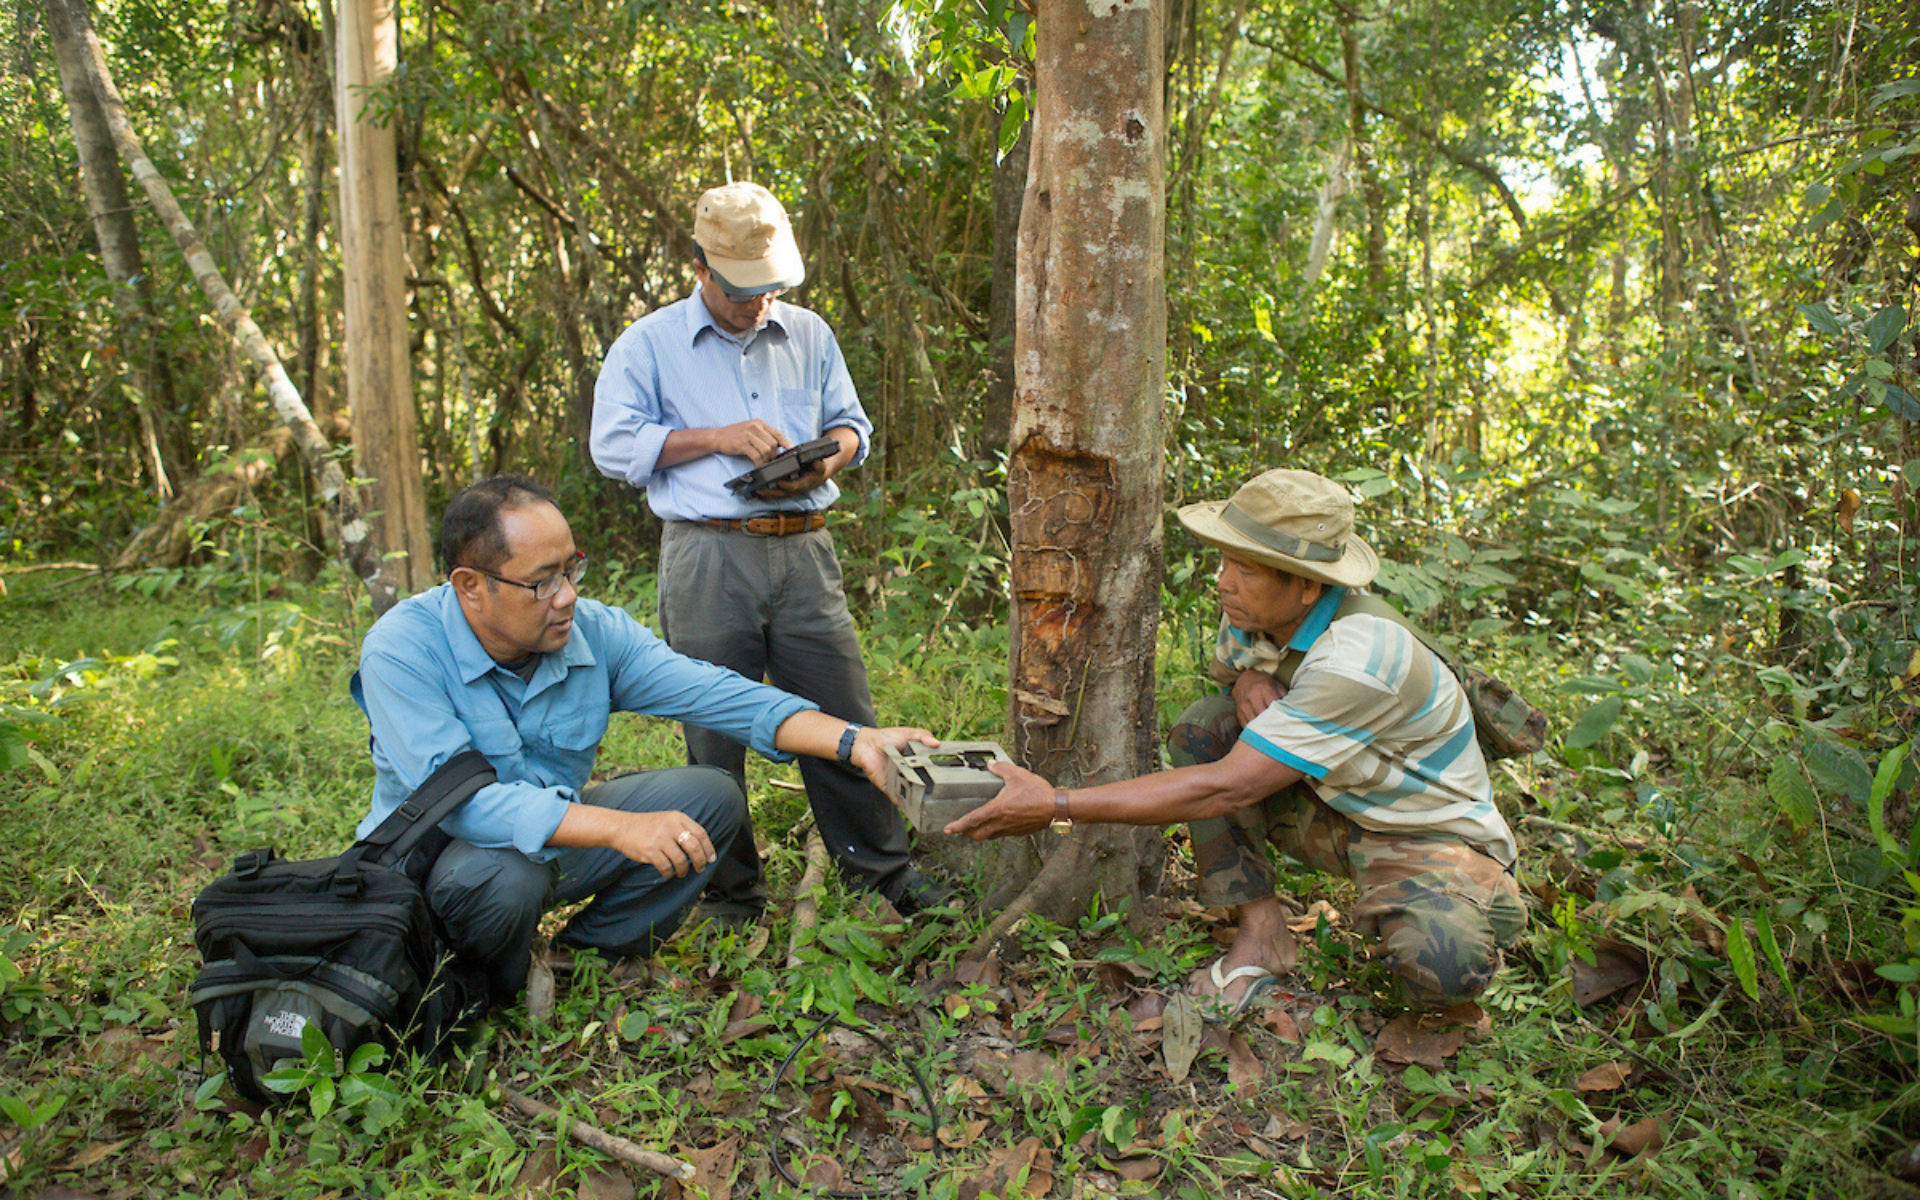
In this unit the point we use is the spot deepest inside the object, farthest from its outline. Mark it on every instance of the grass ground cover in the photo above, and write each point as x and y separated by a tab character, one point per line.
1715	997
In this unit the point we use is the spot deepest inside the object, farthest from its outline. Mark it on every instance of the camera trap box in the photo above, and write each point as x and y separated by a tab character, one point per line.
936	785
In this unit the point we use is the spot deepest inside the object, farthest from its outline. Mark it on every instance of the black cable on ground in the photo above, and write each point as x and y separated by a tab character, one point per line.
873	1035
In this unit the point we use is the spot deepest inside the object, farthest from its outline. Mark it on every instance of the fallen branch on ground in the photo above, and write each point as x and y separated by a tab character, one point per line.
600	1139
806	901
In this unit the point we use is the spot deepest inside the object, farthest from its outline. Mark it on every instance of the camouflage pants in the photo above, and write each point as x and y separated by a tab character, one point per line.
1441	908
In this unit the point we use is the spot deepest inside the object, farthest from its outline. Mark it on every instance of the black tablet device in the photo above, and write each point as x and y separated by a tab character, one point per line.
785	465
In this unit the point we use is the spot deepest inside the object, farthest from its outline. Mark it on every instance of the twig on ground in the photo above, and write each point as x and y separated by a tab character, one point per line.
1593	835
806	901
600	1139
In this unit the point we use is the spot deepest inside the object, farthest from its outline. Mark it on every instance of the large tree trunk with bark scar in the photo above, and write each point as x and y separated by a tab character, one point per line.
1084	479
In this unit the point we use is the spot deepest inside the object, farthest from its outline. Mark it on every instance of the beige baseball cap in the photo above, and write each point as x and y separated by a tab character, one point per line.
747	239
1297	521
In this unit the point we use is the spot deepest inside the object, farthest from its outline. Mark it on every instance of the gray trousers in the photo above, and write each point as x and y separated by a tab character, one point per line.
490	900
772	608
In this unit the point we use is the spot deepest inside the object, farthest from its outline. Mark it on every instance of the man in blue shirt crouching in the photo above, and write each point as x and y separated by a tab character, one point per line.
506	658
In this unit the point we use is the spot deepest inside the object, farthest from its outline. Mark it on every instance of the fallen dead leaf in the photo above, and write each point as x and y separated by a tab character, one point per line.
1117	976
1403	1040
1607	1077
1616	966
603	1181
1309	921
539	1175
1466	1014
1709	929
822	1172
960	1134
1147	1006
1004	1170
1137	1170
94	1153
1289	1128
1465	1181
1031	1068
1281	1022
736	1030
1641	1137
714	1169
745	1004
983	971
1181	1040
1244	1068
990	1067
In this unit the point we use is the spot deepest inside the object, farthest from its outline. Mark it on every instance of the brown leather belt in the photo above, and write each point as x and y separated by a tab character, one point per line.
773	525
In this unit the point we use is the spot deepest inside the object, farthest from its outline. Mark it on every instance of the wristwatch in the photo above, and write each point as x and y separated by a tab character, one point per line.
1062	811
846	742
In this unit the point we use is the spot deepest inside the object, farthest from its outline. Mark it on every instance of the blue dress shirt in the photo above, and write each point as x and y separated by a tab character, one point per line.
430	691
675	369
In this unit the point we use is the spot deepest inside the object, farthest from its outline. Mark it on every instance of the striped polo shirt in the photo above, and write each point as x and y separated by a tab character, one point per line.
1380	726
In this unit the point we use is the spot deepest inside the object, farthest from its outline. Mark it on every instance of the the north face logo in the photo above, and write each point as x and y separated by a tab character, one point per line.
285	1023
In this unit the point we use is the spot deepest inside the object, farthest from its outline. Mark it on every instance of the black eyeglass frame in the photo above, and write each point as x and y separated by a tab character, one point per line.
548	588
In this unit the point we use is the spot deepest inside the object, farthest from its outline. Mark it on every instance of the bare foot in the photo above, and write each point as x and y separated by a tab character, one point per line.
1264	942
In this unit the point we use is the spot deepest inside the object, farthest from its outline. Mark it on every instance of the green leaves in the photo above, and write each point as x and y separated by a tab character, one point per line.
1884	781
1787	785
1595	723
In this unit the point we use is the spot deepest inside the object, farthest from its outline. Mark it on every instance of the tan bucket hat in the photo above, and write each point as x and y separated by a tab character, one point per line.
1297	521
747	239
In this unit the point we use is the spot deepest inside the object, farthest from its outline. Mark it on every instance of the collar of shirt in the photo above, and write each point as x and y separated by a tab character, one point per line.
472	662
1317	619
700	320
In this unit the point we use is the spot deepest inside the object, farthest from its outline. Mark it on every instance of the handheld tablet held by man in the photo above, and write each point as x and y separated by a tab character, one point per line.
784	465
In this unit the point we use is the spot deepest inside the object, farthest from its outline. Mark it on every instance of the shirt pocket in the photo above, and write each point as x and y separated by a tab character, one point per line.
579	731
800	413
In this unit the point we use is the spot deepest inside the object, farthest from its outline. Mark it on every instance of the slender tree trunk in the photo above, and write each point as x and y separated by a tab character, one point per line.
379	383
361	552
1362	142
1084	478
111	208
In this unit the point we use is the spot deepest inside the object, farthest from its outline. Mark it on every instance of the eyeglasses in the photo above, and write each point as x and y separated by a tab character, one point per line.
548	588
736	298
733	297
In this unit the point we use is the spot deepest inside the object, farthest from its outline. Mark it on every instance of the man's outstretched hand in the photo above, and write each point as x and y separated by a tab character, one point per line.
1024	805
870	750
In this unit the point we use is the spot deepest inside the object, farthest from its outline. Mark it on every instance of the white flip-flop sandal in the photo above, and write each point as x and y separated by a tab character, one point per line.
1260	982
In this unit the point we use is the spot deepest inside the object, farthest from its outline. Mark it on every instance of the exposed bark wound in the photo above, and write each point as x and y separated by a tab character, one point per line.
1067	511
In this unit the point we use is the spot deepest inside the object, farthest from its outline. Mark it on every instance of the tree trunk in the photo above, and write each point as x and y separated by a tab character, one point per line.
1009	187
361	552
111	208
1085	474
1362	142
386	439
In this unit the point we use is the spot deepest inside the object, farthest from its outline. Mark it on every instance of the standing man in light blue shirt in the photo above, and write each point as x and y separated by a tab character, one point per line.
506	658
693	395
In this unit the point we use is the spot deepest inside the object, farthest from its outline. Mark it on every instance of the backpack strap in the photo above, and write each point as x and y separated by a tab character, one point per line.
443	791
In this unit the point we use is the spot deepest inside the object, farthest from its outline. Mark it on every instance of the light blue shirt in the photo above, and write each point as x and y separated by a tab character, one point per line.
430	691
675	369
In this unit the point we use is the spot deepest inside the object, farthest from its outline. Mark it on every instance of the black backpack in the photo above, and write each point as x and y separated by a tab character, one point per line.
347	943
